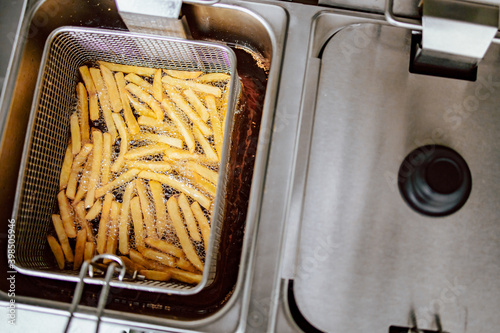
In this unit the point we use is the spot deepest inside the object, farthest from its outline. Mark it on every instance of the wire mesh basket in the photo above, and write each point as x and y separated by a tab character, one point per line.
47	137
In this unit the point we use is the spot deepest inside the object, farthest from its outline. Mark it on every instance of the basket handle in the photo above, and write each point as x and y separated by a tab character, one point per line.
116	265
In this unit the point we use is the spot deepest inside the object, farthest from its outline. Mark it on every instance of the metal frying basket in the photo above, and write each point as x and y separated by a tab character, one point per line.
66	50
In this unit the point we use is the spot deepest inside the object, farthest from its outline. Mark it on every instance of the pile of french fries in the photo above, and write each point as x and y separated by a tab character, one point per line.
150	178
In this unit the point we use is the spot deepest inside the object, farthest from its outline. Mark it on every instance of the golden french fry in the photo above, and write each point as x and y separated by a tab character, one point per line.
205	145
67	215
161	257
189	217
169	180
132	124
66	168
184	264
214	77
203	184
114	96
147	98
152	122
131	266
57	251
89	251
149	219
190	113
84	181
139	232
202	222
76	169
164	246
89	84
106	158
149	165
149	150
95	172
216	124
181	125
81	238
158	138
94	211
84	223
103	223
157	86
197	104
204	172
133	78
146	71
183	276
120	124
187	246
186	84
141	108
76	142
124	226
174	154
160	209
156	275
183	74
139	259
117	182
112	241
104	101
63	237
83	108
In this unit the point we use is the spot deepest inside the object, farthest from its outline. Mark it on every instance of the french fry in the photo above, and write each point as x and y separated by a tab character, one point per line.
83	108
63	237
114	96
181	125
103	223
141	108
158	256
89	84
84	181
190	113
95	172
147	98
187	246
76	169
131	266
184	264
89	251
203	184
94	211
183	74
112	241
157	86
160	125
124	226
106	158
120	125
160	209
156	275
103	96
133	78
139	259
149	150
214	77
81	238
84	223
149	165
117	182
66	168
139	232
202	222
204	172
183	276
76	142
191	225
197	104
146	71
177	185
173	154
57	251
132	124
186	84
205	145
149	219
164	246
67	215
158	138
216	124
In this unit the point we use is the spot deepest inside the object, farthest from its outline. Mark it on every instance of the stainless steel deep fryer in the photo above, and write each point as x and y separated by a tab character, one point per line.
66	50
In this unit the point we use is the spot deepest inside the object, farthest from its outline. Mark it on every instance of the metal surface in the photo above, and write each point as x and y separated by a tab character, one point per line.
366	260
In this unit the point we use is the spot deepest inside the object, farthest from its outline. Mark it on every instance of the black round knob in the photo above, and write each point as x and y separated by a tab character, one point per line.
435	180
